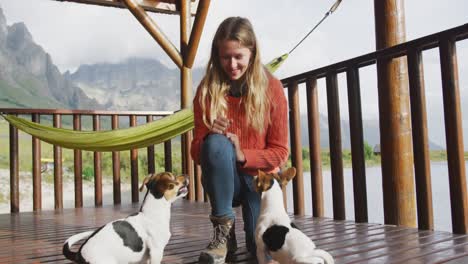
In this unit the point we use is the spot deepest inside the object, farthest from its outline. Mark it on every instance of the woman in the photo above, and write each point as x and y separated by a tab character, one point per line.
240	127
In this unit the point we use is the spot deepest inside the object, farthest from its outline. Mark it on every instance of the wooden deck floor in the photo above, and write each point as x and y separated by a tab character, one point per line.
38	237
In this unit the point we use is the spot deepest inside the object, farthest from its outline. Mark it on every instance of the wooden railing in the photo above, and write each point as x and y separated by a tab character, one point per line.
446	43
56	115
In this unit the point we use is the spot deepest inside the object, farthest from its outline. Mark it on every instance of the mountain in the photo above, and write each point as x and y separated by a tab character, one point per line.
28	76
134	84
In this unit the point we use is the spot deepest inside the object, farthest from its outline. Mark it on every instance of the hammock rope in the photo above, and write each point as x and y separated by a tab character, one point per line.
276	62
134	137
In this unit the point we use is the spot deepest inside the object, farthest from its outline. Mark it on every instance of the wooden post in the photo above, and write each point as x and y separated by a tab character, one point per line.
198	24
313	118
186	93
454	135
116	166
97	167
78	165
395	123
134	166
36	171
168	155
357	146
336	152
14	170
296	147
58	181
150	151
198	184
422	165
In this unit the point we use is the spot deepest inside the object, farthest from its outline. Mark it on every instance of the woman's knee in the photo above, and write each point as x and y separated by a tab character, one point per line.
217	147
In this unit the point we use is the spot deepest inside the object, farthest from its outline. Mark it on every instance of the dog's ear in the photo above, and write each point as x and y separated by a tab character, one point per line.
161	184
145	181
287	175
148	179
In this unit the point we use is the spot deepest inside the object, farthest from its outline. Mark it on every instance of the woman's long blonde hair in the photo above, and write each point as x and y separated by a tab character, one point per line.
215	85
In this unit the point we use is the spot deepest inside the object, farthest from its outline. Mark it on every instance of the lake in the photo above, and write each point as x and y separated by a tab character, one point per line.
440	195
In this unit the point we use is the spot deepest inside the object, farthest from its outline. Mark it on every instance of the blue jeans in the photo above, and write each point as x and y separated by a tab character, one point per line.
227	187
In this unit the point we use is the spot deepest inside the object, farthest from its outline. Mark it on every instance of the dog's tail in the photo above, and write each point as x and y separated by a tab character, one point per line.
71	241
327	257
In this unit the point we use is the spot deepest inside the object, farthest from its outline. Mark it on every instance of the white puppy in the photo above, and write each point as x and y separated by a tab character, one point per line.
274	234
138	238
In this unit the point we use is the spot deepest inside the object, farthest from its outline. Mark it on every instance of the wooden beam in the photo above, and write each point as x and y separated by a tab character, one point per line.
198	24
160	6
150	26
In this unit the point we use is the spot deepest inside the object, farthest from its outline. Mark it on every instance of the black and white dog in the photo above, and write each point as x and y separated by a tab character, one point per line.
138	238
274	234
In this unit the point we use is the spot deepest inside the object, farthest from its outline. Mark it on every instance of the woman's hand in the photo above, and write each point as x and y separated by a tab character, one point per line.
220	125
235	141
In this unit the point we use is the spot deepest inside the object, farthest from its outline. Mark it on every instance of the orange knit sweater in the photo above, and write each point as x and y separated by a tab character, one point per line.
267	150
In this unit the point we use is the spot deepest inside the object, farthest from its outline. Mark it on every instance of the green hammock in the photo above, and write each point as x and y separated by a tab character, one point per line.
110	140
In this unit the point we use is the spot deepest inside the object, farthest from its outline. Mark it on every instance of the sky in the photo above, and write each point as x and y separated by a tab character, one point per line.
75	34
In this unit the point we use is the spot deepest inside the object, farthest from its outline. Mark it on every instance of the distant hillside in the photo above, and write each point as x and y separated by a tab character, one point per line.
28	77
134	84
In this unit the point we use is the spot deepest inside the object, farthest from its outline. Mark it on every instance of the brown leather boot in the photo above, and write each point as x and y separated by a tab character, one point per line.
217	249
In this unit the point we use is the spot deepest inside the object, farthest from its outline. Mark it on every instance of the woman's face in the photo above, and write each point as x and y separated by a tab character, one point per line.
234	58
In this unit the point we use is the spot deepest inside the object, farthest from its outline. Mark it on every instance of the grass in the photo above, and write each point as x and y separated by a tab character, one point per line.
23	93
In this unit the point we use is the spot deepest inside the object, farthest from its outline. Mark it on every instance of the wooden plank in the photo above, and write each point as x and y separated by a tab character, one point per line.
357	145
454	135
422	168
313	118
296	148
336	155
